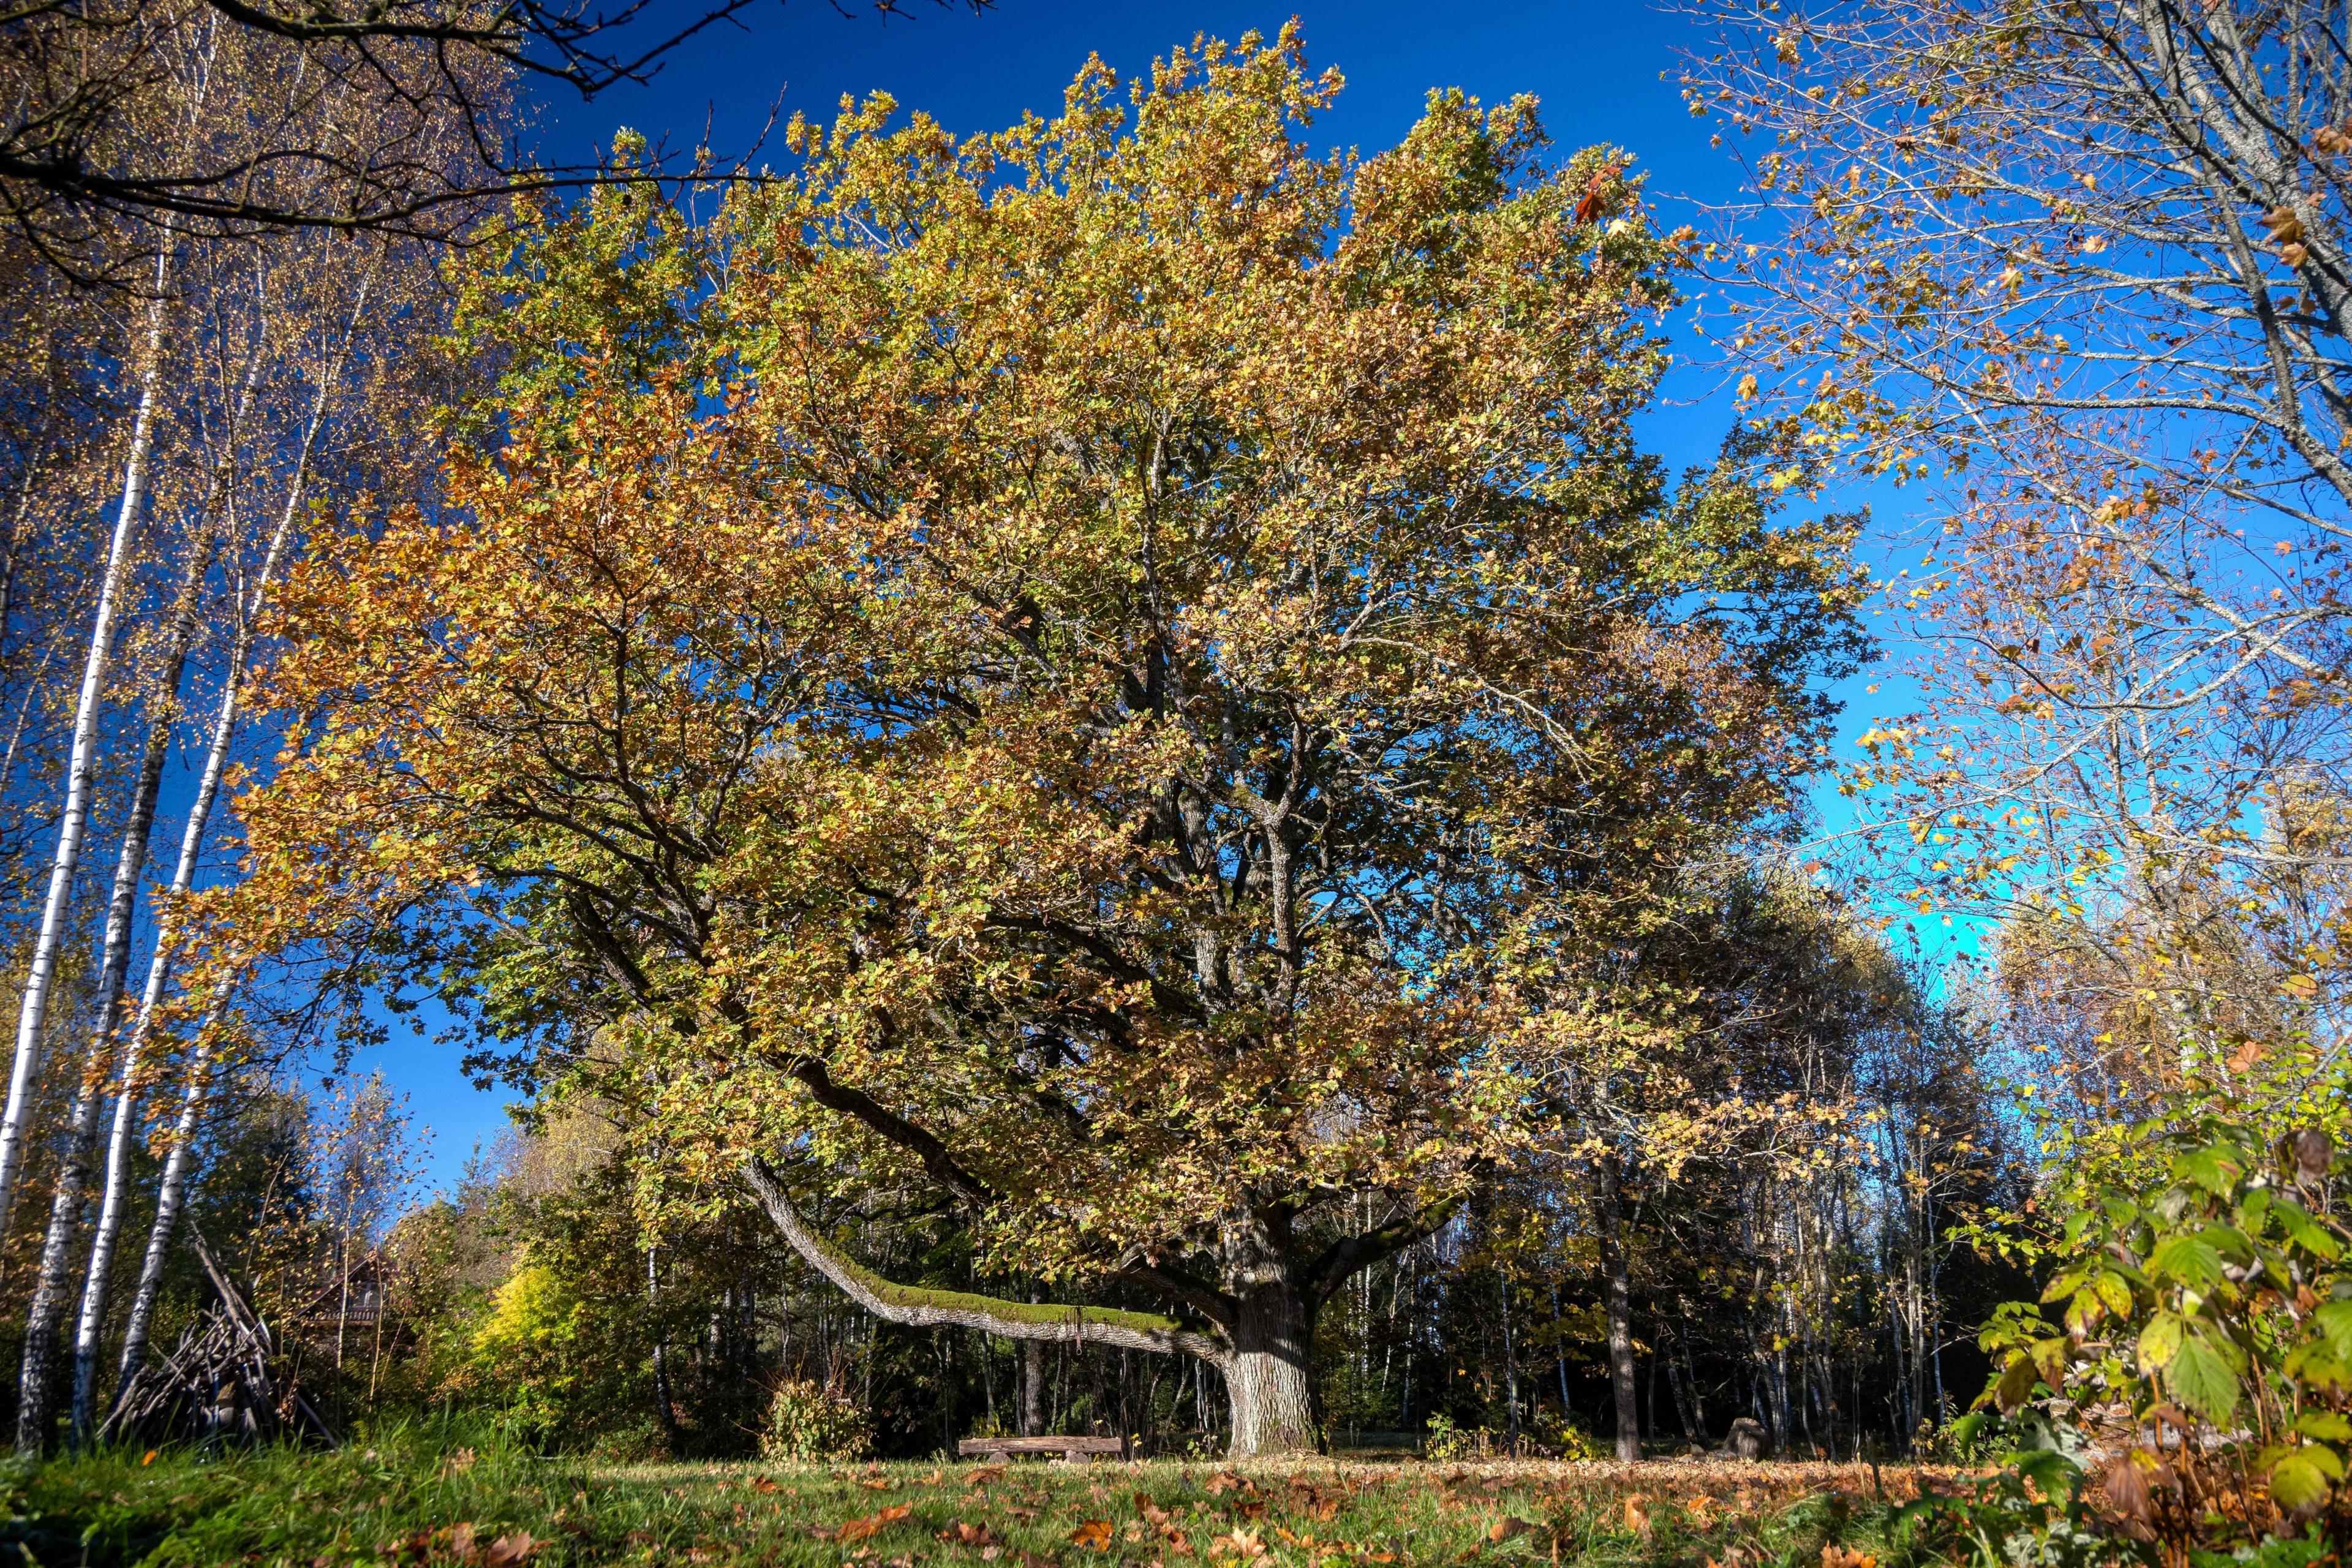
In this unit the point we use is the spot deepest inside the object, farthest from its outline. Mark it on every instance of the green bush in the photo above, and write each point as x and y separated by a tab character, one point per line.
1561	1438
808	1421
2202	1335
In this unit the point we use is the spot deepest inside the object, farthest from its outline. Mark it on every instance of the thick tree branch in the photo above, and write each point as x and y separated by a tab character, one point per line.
921	1308
1343	1259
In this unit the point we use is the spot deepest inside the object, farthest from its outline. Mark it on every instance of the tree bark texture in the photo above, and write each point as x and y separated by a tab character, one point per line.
170	1193
96	1276
1617	1299
81	768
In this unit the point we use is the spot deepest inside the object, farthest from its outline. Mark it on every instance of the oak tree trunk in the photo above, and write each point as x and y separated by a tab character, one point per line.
1269	1375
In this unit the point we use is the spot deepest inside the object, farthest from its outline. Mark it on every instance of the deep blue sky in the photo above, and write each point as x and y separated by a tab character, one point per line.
1595	66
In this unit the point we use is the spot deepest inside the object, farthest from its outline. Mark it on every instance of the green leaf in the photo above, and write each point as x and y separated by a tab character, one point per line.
2228	1241
2047	1468
2325	1425
2202	1381
2315	1365
2216	1170
2306	1233
2334	1321
2159	1342
2191	1259
2296	1484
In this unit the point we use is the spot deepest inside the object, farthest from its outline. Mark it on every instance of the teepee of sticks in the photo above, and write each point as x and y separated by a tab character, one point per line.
215	1387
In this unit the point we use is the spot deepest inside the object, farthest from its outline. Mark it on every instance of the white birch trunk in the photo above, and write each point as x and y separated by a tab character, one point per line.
53	1288
91	1323
32	1016
171	1191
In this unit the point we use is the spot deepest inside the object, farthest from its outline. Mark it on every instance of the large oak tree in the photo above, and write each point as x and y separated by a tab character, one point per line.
1111	670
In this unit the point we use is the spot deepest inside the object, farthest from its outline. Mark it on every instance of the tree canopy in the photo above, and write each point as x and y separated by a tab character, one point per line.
1120	671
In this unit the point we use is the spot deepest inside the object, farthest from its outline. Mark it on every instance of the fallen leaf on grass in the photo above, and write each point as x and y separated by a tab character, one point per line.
965	1534
991	1553
876	1483
1226	1481
1025	1515
872	1525
1032	1559
1839	1557
508	1550
982	1476
1637	1517
764	1484
934	1477
1242	1543
1507	1528
1094	1535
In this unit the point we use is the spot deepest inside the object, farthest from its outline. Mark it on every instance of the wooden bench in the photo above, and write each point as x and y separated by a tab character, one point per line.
1074	1450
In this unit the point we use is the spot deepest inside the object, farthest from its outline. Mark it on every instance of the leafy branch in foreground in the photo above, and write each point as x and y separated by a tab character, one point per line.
2204	1320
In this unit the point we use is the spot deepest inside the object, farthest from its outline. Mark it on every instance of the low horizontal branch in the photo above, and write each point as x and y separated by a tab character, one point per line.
919	1307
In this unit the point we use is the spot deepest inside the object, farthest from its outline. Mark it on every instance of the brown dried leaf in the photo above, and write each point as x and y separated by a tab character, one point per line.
872	1525
508	1550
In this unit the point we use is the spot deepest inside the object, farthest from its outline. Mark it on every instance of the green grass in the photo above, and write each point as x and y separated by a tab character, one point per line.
399	1498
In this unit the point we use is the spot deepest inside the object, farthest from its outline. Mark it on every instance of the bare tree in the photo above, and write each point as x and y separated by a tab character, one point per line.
2082	270
84	76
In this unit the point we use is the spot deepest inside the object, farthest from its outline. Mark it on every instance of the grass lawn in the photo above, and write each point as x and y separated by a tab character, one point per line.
405	1503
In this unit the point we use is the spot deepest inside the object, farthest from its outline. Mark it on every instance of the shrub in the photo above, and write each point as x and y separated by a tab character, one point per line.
809	1421
2204	1336
1555	1434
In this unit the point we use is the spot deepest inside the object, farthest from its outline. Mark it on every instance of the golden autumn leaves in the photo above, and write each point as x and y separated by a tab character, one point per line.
1112	669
